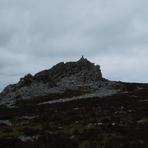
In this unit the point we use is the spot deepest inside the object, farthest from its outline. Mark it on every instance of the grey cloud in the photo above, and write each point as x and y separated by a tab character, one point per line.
36	34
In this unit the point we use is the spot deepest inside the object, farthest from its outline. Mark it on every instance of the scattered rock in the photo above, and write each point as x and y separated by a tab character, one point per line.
6	122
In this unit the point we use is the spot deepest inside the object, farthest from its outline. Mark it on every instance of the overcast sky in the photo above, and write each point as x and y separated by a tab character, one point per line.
36	34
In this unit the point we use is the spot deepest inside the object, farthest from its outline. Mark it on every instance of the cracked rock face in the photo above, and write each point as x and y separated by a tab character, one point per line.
70	75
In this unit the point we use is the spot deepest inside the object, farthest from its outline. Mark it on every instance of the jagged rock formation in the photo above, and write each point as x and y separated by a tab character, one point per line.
110	115
71	75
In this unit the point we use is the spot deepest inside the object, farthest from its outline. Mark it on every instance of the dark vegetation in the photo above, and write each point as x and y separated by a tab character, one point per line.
118	121
53	96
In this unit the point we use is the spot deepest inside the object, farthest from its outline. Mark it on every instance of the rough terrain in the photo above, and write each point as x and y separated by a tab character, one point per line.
102	114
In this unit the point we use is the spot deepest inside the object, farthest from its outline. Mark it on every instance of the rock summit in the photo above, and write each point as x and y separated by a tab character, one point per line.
81	74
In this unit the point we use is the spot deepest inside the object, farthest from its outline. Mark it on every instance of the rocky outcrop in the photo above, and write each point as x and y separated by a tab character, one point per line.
83	68
112	114
81	74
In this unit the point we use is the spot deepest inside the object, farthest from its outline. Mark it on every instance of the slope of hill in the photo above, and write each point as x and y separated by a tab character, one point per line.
73	106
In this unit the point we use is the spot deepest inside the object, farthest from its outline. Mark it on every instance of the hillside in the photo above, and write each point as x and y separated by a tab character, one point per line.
71	105
80	77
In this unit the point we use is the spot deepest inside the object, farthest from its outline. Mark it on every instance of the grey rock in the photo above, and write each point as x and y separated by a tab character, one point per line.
81	74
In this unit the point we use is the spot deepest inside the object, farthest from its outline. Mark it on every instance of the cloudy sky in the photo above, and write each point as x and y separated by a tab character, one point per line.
36	34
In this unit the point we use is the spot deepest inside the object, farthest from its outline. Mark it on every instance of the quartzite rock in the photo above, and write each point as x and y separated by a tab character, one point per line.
70	75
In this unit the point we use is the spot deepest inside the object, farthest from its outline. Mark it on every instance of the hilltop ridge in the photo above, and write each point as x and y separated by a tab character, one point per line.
80	75
71	105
